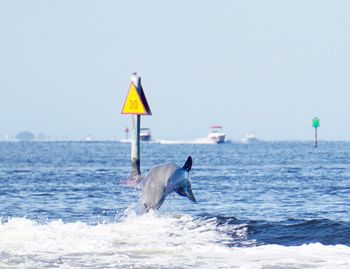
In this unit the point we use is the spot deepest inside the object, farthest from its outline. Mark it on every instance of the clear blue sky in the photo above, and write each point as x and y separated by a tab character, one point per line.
267	66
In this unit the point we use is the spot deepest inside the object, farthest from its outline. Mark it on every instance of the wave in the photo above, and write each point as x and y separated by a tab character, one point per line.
155	241
291	232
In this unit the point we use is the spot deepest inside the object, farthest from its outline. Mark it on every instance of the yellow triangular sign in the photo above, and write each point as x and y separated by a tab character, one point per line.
133	103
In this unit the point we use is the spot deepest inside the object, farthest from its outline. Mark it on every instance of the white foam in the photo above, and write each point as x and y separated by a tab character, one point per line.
150	241
204	140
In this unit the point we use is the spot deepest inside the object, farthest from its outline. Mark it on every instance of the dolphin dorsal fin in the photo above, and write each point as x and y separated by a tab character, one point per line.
188	164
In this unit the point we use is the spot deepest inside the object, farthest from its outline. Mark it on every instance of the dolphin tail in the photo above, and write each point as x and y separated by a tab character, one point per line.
188	164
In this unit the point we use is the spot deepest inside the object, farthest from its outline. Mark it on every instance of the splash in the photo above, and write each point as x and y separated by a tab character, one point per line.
150	241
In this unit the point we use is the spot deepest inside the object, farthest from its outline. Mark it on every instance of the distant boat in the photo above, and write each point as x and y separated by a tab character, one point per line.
249	137
145	134
216	134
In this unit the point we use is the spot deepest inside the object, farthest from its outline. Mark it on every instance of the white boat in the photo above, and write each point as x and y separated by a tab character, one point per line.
145	134
249	137
216	134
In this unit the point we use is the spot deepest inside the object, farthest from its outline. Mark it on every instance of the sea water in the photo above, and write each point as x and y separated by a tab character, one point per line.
261	205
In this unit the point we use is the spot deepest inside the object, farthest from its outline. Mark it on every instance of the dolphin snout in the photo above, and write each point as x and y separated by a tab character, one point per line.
190	195
186	191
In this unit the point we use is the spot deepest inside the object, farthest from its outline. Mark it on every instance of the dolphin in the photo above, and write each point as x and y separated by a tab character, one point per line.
164	179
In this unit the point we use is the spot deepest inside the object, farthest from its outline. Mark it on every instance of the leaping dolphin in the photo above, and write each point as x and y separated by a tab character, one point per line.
164	179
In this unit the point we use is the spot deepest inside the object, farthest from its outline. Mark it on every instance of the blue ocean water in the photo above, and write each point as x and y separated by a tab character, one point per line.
288	194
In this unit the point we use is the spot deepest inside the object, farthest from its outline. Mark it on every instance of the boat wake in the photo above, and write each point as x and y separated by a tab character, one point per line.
204	140
154	241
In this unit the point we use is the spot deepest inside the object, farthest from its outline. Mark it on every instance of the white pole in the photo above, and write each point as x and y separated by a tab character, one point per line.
135	137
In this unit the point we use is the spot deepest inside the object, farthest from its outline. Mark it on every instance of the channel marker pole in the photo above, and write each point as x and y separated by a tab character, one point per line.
135	139
315	124
136	104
